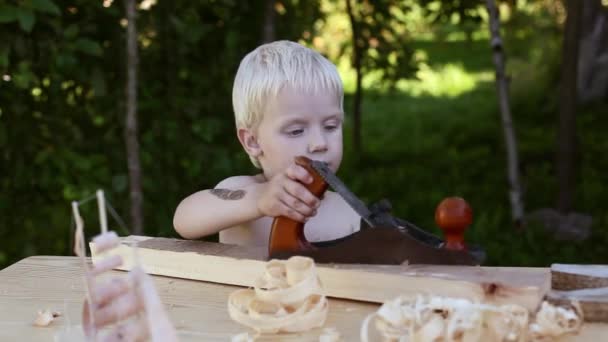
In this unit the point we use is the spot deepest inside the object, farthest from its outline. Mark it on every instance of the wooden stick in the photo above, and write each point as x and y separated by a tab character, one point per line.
80	251
101	206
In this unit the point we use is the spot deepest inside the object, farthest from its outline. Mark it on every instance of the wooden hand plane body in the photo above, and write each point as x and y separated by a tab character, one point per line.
383	238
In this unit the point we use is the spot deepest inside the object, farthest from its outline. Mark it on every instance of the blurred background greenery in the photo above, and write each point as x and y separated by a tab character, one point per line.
430	126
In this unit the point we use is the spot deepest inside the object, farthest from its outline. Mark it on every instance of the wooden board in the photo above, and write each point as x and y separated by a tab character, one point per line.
235	265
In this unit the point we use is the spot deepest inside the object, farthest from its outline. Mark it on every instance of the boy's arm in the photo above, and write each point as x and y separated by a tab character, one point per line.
232	202
237	200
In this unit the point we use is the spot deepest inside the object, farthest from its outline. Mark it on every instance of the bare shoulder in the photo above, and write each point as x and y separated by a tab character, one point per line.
237	182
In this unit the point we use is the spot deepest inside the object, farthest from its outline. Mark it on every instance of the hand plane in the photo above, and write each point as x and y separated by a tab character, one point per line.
383	238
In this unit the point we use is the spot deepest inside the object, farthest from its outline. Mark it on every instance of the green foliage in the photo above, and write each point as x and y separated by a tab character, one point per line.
45	6
423	145
62	75
25	12
62	109
382	40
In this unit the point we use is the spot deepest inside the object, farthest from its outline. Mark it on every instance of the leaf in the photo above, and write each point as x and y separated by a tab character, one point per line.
8	13
46	6
88	46
177	23
71	32
3	139
98	81
4	53
23	76
120	183
65	59
27	19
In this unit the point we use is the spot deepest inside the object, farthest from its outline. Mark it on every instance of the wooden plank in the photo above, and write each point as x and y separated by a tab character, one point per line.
226	264
565	277
197	309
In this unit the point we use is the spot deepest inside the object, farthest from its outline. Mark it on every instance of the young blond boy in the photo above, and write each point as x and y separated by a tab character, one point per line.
287	102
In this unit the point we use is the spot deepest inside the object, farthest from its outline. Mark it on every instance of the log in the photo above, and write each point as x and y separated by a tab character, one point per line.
566	277
593	302
586	284
240	266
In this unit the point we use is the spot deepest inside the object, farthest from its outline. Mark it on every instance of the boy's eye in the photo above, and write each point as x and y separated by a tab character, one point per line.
295	132
332	126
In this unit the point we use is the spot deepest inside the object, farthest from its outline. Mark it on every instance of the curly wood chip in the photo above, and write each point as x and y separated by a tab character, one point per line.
424	318
286	298
555	321
45	317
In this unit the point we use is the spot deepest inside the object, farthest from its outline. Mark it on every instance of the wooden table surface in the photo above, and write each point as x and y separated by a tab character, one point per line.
197	309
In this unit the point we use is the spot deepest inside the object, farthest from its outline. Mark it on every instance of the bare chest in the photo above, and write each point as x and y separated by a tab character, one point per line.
334	220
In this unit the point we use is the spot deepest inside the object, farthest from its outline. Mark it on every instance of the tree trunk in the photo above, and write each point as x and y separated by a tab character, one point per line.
566	136
357	46
593	52
516	196
131	135
168	61
269	31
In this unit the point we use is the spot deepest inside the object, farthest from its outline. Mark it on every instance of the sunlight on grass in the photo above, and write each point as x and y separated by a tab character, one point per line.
449	80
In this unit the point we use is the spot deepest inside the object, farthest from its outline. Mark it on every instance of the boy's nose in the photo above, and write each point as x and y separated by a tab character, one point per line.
318	144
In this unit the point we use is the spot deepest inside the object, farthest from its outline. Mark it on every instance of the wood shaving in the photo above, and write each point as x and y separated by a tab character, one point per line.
45	317
330	335
554	321
286	298
431	318
244	337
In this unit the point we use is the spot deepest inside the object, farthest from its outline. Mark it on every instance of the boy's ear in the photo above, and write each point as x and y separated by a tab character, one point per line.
249	142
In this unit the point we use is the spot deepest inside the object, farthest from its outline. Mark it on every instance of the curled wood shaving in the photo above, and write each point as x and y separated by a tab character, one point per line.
554	321
427	318
286	298
506	322
45	317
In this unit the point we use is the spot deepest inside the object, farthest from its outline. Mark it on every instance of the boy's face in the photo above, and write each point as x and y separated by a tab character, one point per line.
300	123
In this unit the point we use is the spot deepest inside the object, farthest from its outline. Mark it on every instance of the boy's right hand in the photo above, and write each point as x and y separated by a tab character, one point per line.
286	195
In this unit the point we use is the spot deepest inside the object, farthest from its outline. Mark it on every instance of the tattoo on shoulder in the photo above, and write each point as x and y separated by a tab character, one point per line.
227	194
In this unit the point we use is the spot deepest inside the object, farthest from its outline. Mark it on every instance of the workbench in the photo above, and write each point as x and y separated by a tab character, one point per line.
197	309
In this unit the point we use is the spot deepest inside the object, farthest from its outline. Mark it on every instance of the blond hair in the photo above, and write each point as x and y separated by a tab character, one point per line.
270	67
